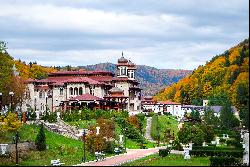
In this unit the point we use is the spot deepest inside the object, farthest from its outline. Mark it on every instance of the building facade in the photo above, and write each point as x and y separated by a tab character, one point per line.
95	89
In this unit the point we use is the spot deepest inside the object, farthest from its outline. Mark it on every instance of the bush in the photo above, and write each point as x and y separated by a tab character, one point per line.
214	148
151	114
141	117
40	141
225	161
234	143
224	153
177	145
52	117
109	147
222	140
164	152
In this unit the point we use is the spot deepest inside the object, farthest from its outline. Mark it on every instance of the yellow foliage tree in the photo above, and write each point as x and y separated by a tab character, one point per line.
10	123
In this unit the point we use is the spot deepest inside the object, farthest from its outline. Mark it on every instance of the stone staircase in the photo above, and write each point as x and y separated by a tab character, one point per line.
62	128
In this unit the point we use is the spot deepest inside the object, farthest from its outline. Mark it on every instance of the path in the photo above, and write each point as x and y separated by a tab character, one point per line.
148	129
246	152
132	154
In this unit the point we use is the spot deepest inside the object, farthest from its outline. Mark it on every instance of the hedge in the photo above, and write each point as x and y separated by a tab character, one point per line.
225	161
215	148
164	152
224	153
234	143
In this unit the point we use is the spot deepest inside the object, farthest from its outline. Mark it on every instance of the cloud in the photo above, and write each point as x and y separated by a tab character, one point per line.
165	34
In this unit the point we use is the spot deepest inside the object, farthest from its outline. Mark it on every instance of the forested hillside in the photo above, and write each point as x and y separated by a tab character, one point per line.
10	83
226	76
151	79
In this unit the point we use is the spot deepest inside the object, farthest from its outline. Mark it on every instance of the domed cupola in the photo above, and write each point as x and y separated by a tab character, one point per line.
122	59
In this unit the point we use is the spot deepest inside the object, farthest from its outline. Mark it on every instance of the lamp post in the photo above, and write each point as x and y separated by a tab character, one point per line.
35	102
46	103
158	132
1	101
84	148
11	99
84	133
125	131
15	140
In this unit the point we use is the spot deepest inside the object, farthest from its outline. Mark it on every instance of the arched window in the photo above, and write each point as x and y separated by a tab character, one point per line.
40	94
80	91
61	91
75	91
71	91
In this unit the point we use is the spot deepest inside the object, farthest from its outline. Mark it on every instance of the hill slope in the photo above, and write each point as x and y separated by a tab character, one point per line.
151	79
226	76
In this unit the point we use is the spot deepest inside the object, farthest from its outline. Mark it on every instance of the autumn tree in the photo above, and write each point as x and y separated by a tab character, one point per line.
10	123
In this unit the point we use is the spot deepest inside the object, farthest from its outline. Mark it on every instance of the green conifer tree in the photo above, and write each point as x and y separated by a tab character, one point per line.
41	139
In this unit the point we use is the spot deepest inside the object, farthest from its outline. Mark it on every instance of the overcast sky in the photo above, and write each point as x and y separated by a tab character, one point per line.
170	34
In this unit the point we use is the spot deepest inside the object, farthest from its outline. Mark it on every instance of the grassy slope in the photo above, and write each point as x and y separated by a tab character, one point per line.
165	122
170	160
83	124
69	151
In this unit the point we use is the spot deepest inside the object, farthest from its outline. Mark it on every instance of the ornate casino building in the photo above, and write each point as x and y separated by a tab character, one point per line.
93	89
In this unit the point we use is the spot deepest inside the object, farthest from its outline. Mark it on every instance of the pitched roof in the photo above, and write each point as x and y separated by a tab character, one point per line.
217	109
168	102
86	97
83	79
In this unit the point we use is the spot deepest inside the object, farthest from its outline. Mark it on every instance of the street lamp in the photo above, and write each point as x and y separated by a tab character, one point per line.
46	103
35	102
125	131
84	133
84	148
16	138
1	101
11	99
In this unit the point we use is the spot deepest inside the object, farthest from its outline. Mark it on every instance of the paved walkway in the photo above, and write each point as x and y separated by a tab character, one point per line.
132	154
148	129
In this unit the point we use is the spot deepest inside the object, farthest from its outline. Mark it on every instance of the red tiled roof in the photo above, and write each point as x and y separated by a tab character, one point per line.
124	79
84	79
30	80
80	72
102	78
115	95
42	87
86	97
168	102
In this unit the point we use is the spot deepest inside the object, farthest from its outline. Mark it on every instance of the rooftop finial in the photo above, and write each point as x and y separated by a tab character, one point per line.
122	53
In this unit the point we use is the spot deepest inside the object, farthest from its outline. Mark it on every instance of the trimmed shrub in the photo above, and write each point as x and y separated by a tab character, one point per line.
223	153
215	148
177	145
52	117
234	143
222	140
150	114
225	161
164	152
40	141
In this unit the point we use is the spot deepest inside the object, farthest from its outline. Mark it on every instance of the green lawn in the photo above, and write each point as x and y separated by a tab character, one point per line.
83	124
68	150
170	160
164	123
